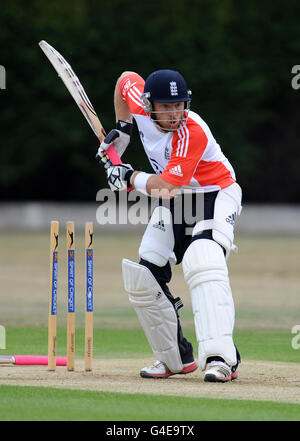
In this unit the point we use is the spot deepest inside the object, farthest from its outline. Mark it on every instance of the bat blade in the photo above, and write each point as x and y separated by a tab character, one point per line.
72	83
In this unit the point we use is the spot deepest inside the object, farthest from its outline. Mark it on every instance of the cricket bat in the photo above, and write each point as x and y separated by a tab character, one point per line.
72	83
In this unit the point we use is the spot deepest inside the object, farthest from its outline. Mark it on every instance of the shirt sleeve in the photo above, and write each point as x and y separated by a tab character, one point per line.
131	87
188	145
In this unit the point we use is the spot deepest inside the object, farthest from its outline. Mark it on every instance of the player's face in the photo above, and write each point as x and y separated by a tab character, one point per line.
169	115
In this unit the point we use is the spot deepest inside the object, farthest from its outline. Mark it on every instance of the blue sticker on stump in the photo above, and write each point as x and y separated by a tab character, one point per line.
54	283
71	281
89	281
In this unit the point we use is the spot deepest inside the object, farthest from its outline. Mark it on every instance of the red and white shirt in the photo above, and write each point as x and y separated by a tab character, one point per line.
189	157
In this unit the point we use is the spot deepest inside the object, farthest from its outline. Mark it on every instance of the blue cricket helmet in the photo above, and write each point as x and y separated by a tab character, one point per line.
165	86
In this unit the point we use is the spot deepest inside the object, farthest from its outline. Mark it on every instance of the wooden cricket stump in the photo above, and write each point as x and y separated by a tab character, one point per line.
89	312
89	296
52	325
70	230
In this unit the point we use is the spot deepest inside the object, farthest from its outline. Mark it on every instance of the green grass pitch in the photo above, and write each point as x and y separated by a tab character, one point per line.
51	404
265	280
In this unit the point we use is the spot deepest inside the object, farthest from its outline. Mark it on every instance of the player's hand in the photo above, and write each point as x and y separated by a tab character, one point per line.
103	158
118	176
119	137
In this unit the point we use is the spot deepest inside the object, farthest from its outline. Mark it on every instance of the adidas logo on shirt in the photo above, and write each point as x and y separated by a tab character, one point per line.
176	171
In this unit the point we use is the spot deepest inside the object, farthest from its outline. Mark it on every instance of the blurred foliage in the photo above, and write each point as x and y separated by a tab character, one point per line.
236	56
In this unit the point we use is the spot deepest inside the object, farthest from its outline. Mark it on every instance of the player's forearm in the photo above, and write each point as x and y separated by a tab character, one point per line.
157	187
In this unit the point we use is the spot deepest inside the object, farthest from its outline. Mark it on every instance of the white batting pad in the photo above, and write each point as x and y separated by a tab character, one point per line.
227	209
158	240
155	312
206	274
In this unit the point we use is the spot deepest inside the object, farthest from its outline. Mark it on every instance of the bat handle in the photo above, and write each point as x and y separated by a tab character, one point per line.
113	155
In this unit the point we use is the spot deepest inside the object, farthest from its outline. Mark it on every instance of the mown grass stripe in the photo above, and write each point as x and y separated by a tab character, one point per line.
51	404
126	343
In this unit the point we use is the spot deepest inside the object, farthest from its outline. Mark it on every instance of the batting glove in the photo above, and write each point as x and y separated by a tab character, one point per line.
118	177
120	137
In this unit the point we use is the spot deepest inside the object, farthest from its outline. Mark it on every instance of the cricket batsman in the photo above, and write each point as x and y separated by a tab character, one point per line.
186	159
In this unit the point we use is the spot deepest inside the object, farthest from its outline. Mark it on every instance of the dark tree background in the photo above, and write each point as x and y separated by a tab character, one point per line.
236	56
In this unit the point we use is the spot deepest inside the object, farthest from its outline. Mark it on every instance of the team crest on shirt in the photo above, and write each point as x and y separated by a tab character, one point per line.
142	136
167	153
